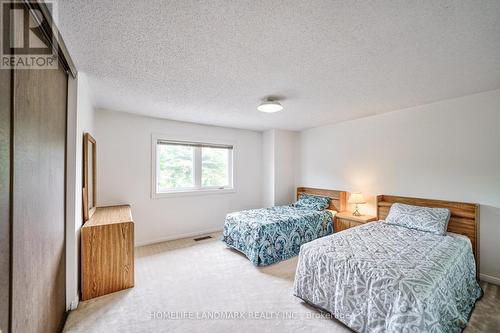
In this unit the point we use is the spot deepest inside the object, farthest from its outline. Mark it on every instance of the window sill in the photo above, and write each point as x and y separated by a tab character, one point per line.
184	193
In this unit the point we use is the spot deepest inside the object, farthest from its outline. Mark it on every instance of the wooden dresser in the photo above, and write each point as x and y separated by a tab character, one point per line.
107	250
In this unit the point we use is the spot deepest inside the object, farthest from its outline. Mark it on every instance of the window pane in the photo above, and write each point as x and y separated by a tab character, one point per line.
175	169
214	167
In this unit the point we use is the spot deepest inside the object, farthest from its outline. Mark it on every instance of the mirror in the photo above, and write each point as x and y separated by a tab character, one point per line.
90	193
89	176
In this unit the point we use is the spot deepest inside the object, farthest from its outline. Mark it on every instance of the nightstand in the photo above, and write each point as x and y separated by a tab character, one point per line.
345	220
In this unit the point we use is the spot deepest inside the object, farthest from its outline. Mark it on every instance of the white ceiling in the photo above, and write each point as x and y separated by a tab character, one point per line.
212	61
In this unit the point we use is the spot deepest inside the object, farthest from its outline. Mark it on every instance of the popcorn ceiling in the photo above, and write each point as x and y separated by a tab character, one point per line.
212	62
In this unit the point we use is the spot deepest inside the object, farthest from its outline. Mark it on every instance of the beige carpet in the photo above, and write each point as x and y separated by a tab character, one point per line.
187	286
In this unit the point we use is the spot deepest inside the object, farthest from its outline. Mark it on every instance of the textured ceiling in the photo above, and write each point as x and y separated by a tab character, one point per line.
213	61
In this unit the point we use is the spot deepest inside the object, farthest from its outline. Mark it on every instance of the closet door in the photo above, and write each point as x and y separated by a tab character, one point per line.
5	102
38	205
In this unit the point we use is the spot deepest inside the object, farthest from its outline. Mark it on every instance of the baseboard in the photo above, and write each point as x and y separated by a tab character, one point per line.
179	236
490	279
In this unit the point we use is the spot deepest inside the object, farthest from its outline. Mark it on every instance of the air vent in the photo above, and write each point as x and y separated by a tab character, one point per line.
202	238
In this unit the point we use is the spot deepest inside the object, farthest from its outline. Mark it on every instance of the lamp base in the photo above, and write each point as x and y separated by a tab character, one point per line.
356	211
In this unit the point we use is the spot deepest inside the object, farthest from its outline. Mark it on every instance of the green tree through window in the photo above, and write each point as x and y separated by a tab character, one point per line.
214	167
188	166
175	167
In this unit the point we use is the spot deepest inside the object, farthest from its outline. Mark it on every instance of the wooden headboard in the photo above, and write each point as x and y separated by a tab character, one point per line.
464	217
338	198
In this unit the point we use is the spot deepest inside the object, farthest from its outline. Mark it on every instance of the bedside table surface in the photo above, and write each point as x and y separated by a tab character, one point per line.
362	218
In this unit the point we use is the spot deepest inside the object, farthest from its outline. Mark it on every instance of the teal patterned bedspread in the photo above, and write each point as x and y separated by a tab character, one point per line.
385	278
269	235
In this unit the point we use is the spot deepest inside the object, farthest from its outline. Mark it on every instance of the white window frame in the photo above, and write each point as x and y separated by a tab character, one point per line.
198	189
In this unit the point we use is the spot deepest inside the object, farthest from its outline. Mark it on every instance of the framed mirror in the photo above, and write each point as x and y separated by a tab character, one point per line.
89	176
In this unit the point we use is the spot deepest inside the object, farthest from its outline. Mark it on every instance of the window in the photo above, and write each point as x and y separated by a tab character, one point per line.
190	167
175	167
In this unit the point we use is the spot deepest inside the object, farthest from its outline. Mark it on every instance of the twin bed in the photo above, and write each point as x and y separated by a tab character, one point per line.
269	235
412	271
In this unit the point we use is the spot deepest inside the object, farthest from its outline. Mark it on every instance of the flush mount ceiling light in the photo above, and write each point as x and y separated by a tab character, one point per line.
270	105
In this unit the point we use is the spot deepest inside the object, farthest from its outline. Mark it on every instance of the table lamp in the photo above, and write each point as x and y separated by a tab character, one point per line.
356	198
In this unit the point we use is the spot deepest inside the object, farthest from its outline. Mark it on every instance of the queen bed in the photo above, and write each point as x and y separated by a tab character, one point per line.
269	235
395	275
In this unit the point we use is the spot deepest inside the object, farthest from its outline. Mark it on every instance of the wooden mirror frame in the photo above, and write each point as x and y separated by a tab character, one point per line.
89	140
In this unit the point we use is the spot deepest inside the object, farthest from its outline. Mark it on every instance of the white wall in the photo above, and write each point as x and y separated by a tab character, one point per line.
80	120
124	176
446	150
268	168
285	166
279	165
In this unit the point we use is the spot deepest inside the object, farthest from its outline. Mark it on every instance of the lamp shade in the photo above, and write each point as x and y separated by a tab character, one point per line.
356	198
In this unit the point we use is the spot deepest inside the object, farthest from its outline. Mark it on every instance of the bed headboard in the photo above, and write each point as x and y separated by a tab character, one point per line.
338	198
464	217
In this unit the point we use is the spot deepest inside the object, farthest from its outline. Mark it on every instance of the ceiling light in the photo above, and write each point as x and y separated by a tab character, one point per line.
270	106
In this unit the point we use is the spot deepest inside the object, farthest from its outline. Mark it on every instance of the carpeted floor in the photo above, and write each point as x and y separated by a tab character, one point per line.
188	286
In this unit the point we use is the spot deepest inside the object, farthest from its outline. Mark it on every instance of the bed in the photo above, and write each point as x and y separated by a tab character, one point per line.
381	277
270	235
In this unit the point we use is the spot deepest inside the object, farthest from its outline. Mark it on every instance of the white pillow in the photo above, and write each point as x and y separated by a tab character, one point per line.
433	220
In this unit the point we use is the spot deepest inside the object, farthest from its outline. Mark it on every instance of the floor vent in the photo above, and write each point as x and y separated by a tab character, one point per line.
202	238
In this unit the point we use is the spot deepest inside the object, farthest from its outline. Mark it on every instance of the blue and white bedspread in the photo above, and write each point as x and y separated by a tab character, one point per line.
269	235
385	278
